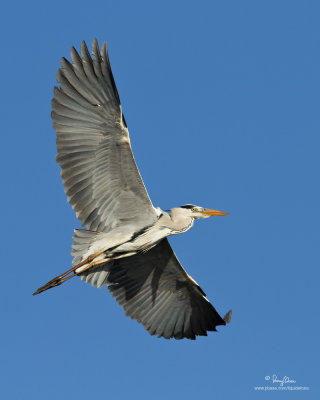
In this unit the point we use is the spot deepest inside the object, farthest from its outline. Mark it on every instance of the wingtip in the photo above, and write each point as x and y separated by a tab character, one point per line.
227	317
104	50
84	49
95	45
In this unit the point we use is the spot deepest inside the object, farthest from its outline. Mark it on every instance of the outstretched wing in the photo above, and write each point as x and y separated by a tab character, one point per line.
101	178
154	289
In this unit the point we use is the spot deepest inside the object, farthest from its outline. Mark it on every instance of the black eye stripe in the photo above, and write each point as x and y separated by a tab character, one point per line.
189	206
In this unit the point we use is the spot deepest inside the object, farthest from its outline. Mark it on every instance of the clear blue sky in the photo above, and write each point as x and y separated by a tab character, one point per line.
222	103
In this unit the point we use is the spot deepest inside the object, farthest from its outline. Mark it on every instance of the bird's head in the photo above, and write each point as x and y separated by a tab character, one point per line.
197	212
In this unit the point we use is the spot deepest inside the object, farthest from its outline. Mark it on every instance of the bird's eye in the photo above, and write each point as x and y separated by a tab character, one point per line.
193	209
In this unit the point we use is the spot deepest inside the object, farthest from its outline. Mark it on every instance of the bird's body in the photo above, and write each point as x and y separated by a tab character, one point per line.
124	245
118	243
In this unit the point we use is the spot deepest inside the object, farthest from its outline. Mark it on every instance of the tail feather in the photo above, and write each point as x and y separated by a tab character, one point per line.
82	241
97	276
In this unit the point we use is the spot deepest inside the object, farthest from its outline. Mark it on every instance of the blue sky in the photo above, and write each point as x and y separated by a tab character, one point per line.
222	103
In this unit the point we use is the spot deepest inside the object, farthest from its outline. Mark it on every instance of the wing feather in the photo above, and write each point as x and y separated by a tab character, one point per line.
99	172
154	289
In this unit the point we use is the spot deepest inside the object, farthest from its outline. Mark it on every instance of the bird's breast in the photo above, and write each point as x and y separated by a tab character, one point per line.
144	240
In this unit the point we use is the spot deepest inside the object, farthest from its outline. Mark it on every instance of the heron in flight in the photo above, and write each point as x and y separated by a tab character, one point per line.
124	245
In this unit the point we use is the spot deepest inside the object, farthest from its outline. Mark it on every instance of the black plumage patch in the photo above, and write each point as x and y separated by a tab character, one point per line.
189	206
138	233
124	121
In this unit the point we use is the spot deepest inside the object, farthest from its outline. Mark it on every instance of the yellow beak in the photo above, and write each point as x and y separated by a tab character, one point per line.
212	213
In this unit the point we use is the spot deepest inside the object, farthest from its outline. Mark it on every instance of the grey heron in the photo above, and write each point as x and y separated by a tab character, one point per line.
124	244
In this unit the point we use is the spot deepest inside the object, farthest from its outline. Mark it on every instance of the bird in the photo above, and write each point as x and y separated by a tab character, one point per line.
124	243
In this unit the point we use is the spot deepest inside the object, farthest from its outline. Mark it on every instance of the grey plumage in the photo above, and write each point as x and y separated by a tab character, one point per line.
124	245
154	289
98	169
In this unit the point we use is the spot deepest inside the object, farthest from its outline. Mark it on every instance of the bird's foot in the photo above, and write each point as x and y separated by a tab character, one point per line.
58	280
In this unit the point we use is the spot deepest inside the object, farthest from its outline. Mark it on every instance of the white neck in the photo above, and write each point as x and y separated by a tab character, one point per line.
180	221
